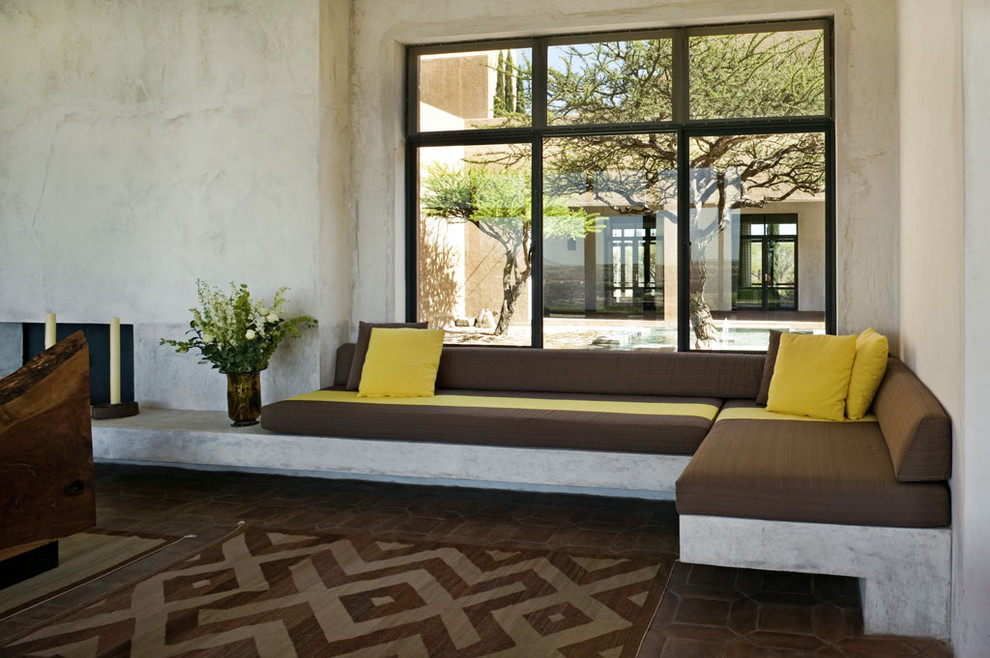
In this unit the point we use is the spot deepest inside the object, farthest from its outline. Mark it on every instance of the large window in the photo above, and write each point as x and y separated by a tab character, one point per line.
663	189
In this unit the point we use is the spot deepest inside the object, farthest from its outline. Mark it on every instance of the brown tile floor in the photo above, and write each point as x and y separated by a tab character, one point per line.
706	611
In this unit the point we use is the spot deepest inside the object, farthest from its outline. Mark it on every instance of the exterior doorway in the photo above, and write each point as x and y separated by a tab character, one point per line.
768	256
631	265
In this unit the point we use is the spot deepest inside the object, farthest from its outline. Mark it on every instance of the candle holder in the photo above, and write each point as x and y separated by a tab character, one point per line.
117	410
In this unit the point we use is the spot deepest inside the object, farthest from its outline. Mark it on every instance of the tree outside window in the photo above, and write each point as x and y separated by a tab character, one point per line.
609	156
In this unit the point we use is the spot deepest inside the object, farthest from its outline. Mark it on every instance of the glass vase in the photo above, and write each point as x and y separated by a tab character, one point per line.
243	398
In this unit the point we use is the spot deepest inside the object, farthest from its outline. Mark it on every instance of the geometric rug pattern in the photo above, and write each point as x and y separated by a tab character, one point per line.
259	592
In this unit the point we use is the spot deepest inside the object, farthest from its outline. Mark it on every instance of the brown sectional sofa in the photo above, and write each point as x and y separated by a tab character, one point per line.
892	472
887	472
868	499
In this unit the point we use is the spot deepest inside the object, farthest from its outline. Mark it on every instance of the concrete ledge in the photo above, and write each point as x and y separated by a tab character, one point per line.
198	439
905	573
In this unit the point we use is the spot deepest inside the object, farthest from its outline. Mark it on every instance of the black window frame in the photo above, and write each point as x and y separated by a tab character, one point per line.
680	125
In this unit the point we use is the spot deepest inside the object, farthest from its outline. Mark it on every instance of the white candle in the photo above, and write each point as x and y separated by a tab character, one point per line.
115	361
49	330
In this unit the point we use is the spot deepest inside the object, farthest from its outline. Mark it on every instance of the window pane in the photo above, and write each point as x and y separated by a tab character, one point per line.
757	238
481	89
474	253
615	197
609	82
763	74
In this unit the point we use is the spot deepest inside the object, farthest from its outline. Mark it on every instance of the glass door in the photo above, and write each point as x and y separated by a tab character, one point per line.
767	275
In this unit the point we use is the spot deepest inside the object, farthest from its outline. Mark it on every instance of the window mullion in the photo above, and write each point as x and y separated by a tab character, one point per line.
683	242
681	114
679	88
539	85
536	233
412	231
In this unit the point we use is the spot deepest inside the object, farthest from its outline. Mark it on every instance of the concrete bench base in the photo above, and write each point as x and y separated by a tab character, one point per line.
202	439
905	573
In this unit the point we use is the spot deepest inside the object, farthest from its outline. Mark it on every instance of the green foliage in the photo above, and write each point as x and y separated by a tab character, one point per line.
498	201
498	102
522	103
611	82
509	86
736	75
766	74
235	333
511	99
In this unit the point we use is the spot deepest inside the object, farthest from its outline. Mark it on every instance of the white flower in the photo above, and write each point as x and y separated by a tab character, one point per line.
272	317
250	335
207	338
262	310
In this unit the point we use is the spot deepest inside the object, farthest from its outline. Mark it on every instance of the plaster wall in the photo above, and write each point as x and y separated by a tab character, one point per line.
931	273
333	256
944	271
971	634
143	145
866	119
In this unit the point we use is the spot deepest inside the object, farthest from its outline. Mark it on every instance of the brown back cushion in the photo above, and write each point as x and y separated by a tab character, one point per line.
342	366
361	348
587	371
916	428
768	367
640	372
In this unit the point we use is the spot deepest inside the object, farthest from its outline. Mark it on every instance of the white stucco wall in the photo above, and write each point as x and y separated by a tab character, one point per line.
931	198
971	633
143	145
335	156
865	103
944	95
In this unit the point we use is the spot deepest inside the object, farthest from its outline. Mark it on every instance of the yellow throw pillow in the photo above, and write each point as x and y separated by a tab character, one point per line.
401	363
811	375
867	373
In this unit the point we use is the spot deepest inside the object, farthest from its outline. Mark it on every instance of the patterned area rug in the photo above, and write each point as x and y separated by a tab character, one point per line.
259	592
83	557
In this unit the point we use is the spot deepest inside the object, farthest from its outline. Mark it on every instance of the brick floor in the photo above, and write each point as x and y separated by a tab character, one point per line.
705	611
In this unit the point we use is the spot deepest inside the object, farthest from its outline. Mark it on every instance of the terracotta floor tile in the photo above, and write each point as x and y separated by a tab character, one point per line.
828	622
679	647
705	612
703	574
775	640
785	618
878	647
742	616
783	581
697	632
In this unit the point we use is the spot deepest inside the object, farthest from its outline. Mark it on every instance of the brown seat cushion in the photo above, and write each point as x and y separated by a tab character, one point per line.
543	428
809	471
917	428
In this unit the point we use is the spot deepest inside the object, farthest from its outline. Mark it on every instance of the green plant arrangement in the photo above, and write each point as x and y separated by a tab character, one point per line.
237	334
